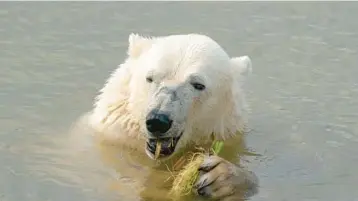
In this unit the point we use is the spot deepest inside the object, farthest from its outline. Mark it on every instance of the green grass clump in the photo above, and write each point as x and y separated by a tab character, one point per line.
184	181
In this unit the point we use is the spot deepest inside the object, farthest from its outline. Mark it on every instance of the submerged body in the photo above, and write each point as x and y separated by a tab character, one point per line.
173	94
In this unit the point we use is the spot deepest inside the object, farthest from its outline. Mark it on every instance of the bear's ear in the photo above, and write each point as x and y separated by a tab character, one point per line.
242	65
138	44
241	69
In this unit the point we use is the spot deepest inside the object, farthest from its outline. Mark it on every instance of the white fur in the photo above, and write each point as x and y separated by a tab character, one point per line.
120	108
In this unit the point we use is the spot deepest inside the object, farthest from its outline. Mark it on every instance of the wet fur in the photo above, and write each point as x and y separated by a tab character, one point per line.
120	108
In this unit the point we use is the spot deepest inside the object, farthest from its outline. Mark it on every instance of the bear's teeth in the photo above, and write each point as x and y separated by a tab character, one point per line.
172	142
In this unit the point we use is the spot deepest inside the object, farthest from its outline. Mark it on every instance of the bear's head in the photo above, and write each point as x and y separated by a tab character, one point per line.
174	89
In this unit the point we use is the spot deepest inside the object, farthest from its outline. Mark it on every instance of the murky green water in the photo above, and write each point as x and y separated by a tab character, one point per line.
303	93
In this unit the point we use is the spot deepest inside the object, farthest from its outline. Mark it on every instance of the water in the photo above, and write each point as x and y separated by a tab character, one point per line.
54	57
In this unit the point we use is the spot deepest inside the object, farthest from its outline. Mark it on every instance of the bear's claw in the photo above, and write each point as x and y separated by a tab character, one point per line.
221	180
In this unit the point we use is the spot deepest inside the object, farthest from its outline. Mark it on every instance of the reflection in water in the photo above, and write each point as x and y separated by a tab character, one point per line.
77	160
69	160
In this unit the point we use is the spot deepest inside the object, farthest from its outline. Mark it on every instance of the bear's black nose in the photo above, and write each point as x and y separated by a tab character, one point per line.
158	123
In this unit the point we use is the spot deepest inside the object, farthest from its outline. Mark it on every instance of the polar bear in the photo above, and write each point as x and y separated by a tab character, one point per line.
180	90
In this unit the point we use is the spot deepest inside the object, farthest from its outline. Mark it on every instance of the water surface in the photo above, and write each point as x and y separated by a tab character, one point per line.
55	56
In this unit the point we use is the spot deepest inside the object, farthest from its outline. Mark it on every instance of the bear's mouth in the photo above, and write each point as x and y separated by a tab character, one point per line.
161	147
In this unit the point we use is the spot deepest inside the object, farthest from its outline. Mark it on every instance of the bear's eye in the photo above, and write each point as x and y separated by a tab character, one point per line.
198	86
149	79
